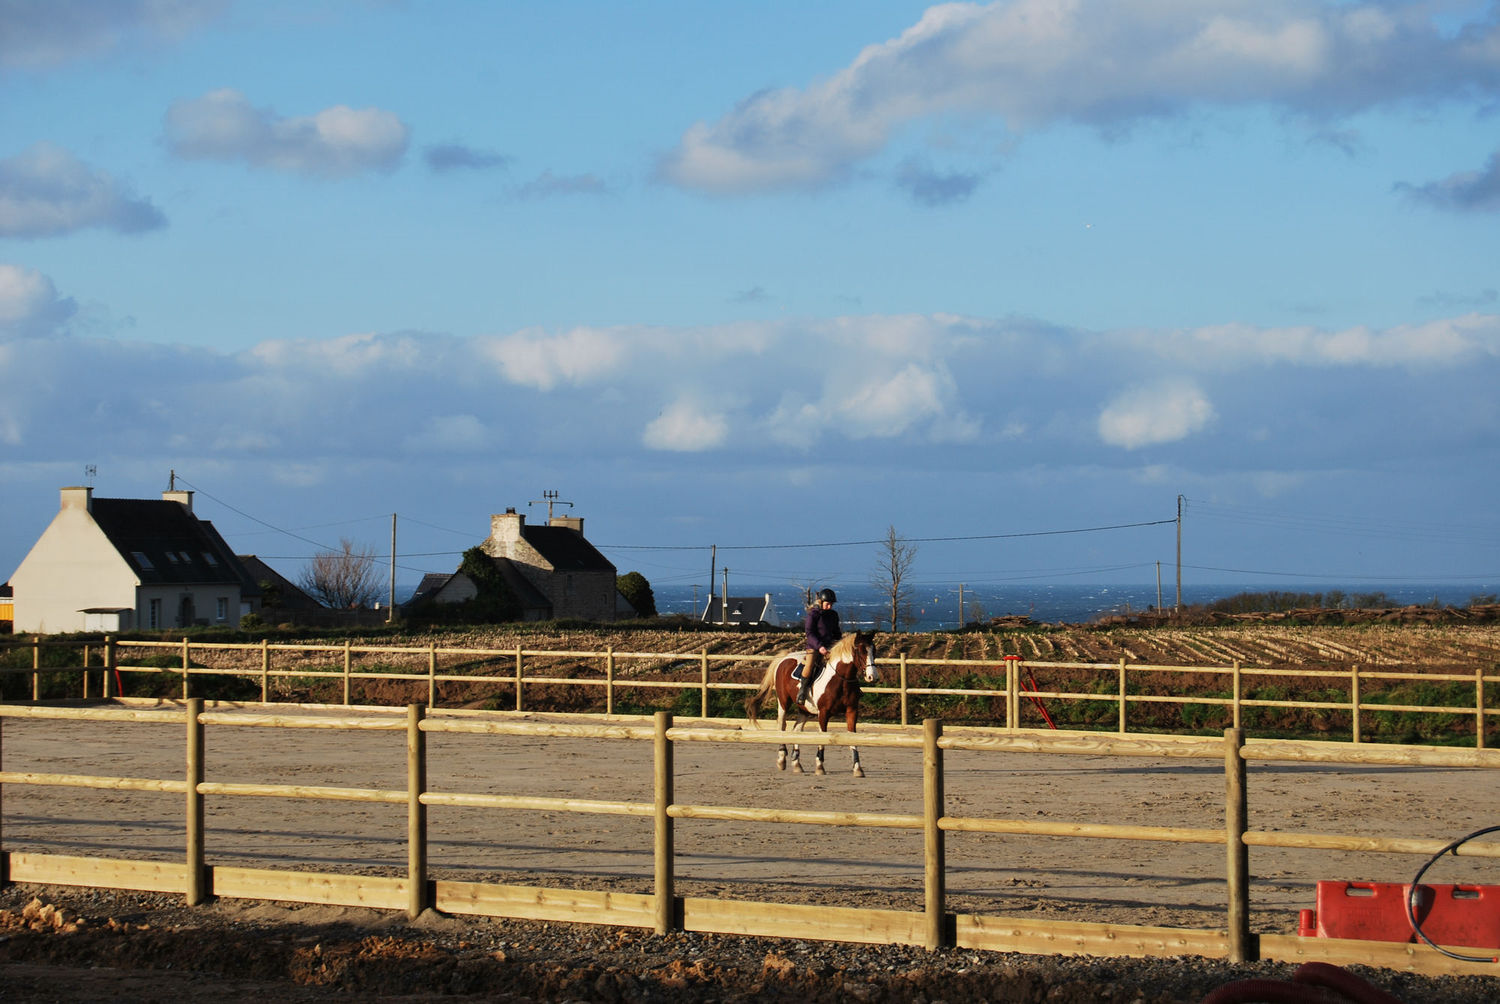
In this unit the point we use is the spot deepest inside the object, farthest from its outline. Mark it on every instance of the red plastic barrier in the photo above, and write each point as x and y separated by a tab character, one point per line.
1467	915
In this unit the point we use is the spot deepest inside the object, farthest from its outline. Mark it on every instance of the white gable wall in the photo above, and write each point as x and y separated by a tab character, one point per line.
70	568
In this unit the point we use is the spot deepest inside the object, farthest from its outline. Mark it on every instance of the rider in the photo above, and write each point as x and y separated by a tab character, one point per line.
822	623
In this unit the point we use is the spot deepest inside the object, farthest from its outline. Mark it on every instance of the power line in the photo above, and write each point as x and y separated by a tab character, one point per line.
868	543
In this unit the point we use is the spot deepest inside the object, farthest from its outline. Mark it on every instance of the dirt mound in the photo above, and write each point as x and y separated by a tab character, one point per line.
150	948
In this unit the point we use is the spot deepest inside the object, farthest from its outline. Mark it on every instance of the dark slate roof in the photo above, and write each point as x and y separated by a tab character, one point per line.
166	544
431	583
565	549
293	597
742	610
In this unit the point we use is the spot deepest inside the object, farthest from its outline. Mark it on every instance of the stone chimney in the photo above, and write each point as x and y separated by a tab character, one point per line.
571	522
505	531
78	497
182	498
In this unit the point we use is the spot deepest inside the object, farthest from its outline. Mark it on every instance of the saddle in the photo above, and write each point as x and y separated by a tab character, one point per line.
801	666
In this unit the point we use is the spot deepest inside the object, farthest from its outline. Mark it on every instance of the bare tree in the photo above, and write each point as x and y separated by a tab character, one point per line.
891	568
344	578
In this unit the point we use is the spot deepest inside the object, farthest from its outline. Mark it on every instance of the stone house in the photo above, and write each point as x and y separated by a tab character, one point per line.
560	564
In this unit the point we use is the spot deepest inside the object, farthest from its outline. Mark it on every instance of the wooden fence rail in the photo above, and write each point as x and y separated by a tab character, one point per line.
259	658
663	910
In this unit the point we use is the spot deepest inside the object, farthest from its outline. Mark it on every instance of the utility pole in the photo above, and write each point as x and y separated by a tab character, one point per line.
550	499
390	614
960	606
724	600
1178	608
713	558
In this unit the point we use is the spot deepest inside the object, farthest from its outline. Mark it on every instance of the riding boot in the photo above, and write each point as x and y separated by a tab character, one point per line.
804	691
810	670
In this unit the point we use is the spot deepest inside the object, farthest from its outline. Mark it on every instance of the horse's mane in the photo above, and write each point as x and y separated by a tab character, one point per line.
842	649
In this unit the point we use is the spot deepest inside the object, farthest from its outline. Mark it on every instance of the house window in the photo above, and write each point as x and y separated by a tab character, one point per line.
141	560
221	609
153	614
213	562
171	557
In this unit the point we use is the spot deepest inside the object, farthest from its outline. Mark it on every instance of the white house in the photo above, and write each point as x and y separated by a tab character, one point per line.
123	564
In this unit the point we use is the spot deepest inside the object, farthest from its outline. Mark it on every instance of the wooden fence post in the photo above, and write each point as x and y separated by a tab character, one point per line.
432	674
1012	692
109	664
85	672
1236	813
609	679
346	672
663	845
1238	695
196	875
265	670
1479	707
933	857
1354	694
905	720
1122	695
416	812
36	665
703	677
518	677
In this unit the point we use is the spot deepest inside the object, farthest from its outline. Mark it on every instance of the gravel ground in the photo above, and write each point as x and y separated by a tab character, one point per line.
65	944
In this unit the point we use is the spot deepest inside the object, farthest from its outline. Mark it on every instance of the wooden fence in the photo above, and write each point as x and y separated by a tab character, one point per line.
609	672
662	910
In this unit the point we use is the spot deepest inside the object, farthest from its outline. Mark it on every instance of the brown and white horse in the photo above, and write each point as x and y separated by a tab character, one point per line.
849	663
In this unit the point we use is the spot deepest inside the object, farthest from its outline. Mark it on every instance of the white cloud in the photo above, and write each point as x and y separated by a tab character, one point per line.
543	361
889	406
1441	342
1029	63
1146	416
335	142
29	304
686	427
46	191
347	355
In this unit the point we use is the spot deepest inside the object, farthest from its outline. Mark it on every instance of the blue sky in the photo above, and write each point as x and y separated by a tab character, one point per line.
764	275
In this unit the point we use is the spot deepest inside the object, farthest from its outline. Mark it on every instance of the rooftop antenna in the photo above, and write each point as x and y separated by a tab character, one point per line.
89	470
550	498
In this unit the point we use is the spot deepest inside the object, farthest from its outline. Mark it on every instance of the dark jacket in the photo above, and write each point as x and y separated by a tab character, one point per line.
822	628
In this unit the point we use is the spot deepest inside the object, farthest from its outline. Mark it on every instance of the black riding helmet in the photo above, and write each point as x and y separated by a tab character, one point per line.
827	594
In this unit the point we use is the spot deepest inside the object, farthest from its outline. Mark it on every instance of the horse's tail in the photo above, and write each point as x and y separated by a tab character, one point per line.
767	685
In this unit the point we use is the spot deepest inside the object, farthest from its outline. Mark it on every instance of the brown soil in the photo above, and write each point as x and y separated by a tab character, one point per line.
257	950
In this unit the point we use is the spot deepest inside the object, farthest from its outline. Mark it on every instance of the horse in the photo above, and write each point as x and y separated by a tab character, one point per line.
850	662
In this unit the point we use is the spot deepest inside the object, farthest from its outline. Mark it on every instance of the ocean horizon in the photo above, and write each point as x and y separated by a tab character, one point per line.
935	609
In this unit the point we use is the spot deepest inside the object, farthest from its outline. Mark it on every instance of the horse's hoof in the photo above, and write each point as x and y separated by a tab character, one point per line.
859	771
797	767
820	770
